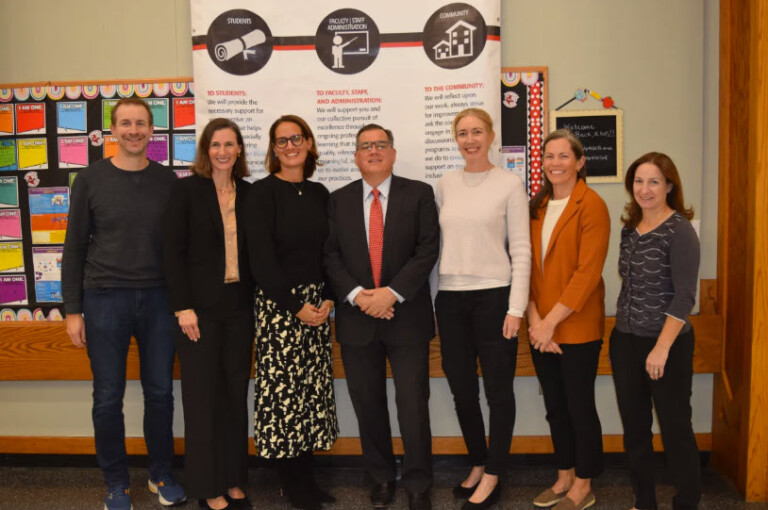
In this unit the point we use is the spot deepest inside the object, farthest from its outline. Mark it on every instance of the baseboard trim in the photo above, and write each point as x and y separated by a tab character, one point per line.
612	443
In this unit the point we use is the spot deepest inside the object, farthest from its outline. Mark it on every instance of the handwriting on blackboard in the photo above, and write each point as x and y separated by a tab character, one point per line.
598	134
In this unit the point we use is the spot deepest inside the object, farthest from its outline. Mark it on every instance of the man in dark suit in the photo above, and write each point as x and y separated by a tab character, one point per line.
383	243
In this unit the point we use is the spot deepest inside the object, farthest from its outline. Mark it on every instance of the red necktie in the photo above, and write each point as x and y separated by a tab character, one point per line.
376	237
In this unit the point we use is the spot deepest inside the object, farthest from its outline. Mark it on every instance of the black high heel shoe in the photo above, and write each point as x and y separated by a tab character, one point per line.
238	503
461	492
202	503
488	502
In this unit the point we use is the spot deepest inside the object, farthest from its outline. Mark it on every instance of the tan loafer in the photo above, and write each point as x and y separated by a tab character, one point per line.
568	504
548	498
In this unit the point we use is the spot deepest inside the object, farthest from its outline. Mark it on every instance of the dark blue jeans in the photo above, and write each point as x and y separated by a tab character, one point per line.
112	316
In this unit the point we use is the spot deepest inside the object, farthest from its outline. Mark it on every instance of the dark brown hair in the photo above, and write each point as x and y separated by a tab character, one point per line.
372	127
135	101
271	161
546	189
632	211
202	166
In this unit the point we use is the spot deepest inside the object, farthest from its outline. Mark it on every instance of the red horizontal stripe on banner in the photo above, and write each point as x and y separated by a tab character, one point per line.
200	47
294	48
405	44
494	38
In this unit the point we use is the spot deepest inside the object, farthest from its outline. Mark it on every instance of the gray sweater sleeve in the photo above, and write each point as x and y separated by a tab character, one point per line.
76	247
684	261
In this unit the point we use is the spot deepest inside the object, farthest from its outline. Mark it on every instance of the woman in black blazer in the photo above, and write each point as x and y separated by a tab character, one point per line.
211	294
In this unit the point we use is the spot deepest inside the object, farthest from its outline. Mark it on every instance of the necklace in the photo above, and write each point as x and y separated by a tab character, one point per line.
224	191
473	182
298	188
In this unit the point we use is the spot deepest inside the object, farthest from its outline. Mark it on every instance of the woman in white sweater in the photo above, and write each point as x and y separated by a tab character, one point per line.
484	271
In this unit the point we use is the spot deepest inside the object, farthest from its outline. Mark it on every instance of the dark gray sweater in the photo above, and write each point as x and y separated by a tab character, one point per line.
115	230
659	272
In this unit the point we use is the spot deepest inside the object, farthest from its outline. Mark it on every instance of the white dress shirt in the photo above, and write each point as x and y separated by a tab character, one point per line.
367	200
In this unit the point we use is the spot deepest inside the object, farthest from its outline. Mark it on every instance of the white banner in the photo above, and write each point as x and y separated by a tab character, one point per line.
409	66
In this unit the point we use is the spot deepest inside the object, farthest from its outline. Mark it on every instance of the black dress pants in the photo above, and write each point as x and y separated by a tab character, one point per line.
215	372
568	383
637	395
365	368
471	326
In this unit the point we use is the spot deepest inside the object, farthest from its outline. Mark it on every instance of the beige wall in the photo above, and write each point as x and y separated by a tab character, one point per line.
657	58
94	40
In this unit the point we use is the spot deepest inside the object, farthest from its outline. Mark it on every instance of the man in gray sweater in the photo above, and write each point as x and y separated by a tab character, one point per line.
114	288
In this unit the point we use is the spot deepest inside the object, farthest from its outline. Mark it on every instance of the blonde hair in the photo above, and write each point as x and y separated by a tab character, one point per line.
479	113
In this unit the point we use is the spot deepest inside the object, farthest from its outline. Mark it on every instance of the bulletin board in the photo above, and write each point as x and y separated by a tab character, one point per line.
524	107
48	132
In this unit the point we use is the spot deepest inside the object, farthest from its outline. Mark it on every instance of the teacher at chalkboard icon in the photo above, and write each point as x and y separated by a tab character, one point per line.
347	41
338	50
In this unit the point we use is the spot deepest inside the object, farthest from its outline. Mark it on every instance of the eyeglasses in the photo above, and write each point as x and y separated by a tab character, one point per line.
380	146
296	140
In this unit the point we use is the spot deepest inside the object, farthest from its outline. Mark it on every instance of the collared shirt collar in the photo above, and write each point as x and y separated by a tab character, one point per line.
383	188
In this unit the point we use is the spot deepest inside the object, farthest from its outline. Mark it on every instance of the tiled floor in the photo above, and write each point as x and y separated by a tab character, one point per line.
32	484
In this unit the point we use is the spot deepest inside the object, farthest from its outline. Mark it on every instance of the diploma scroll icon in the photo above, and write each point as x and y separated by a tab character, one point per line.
230	49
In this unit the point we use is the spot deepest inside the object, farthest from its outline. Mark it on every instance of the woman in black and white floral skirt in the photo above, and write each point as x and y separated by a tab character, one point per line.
295	411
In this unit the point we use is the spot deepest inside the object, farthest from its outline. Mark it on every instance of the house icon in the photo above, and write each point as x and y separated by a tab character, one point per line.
459	43
442	50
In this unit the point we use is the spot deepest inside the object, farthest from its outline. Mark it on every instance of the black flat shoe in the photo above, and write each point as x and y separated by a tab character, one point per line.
238	503
202	503
382	494
461	492
488	502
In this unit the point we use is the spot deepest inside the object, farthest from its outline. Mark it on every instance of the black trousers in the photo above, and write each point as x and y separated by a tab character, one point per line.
215	372
365	368
637	394
471	326
568	383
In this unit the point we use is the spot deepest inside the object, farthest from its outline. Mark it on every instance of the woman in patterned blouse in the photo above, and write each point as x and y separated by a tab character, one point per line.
651	346
295	411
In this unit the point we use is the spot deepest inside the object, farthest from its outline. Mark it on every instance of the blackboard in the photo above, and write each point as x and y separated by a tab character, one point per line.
600	131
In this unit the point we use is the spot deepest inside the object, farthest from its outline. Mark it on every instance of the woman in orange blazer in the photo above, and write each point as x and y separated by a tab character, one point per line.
570	228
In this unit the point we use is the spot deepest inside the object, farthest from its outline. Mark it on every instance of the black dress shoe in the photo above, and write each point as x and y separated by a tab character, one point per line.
382	494
461	492
419	501
238	503
488	502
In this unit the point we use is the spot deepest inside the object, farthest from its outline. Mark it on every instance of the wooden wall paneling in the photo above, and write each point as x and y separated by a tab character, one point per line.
708	294
740	410
725	412
42	351
757	449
